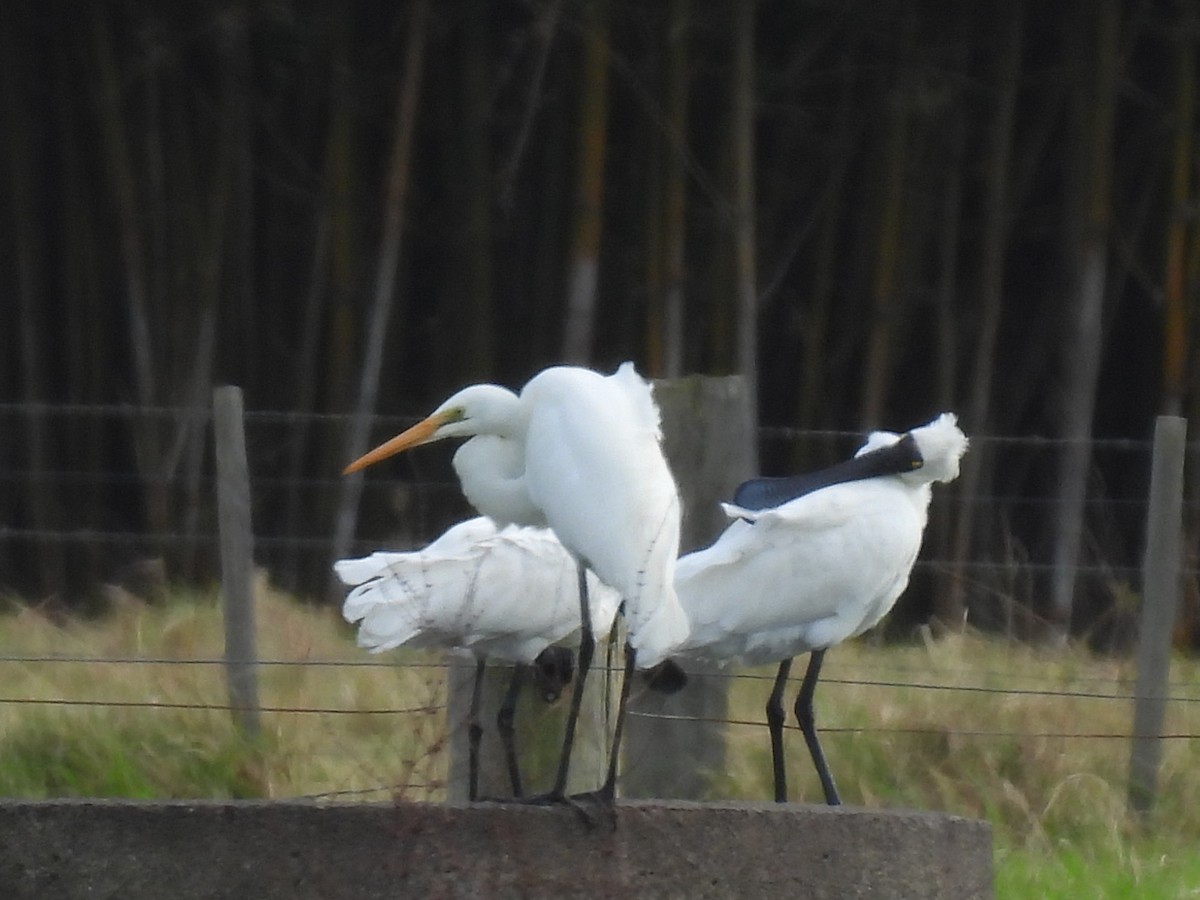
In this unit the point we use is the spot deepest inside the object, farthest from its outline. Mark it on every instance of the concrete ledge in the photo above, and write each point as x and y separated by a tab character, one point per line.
267	850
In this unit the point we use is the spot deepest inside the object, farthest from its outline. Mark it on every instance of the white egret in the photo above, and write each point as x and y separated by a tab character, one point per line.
496	594
814	570
579	452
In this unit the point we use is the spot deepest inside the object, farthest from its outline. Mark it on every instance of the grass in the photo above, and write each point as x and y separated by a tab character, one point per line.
1057	804
163	752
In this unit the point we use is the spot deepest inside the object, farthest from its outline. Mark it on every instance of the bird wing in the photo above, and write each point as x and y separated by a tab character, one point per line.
508	595
805	575
644	411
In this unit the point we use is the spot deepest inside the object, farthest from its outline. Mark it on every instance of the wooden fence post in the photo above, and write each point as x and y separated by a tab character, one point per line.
1160	593
237	557
709	442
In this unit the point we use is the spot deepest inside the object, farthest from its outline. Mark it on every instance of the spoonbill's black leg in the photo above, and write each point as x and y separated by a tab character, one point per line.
587	647
474	734
775	721
504	725
808	725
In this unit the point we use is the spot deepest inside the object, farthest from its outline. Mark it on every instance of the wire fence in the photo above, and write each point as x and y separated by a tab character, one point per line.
1063	701
103	516
82	492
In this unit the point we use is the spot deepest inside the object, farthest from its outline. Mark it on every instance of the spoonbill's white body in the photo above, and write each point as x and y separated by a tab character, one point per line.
812	572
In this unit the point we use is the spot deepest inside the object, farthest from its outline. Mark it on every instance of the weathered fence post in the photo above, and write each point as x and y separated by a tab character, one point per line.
237	557
711	448
539	731
1160	592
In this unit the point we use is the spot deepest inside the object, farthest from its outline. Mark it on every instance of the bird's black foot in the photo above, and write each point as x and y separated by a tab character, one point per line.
553	798
668	677
596	806
586	806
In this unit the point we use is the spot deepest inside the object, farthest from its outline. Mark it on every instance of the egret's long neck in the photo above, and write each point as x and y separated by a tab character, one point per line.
492	473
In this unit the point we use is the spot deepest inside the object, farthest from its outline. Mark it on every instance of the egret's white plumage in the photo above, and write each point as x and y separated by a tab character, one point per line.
594	465
580	452
816	570
504	594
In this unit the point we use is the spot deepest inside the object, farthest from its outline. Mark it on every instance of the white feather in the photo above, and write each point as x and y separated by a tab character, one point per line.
819	569
504	594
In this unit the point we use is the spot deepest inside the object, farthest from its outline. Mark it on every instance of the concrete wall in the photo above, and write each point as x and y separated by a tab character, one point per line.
61	850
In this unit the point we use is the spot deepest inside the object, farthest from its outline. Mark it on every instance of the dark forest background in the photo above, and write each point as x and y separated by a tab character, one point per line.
872	210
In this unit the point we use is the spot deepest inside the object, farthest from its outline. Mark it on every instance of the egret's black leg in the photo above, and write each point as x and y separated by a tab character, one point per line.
504	725
808	725
474	734
776	718
587	647
608	792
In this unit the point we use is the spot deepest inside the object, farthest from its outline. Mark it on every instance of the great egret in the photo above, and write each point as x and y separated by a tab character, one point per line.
580	452
813	571
497	594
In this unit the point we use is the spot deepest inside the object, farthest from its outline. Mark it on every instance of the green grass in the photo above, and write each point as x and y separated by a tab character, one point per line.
1056	804
146	752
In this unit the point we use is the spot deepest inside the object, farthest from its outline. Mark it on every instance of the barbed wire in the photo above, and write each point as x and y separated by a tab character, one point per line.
48	409
1032	440
200	413
389	790
1062	693
208	538
431	709
267	482
913	729
468	665
217	707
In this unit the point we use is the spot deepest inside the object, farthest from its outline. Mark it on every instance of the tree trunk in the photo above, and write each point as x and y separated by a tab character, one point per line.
475	356
814	330
996	228
1175	292
744	208
675	189
395	204
21	145
666	203
890	244
593	134
1083	349
120	164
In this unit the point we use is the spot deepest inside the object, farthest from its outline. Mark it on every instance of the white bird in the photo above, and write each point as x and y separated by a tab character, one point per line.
816	570
579	452
496	594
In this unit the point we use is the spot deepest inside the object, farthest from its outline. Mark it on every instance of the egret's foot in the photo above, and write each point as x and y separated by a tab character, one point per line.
604	796
552	798
585	805
597	805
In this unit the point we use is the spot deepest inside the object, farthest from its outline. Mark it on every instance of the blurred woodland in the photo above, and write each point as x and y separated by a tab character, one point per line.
872	210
